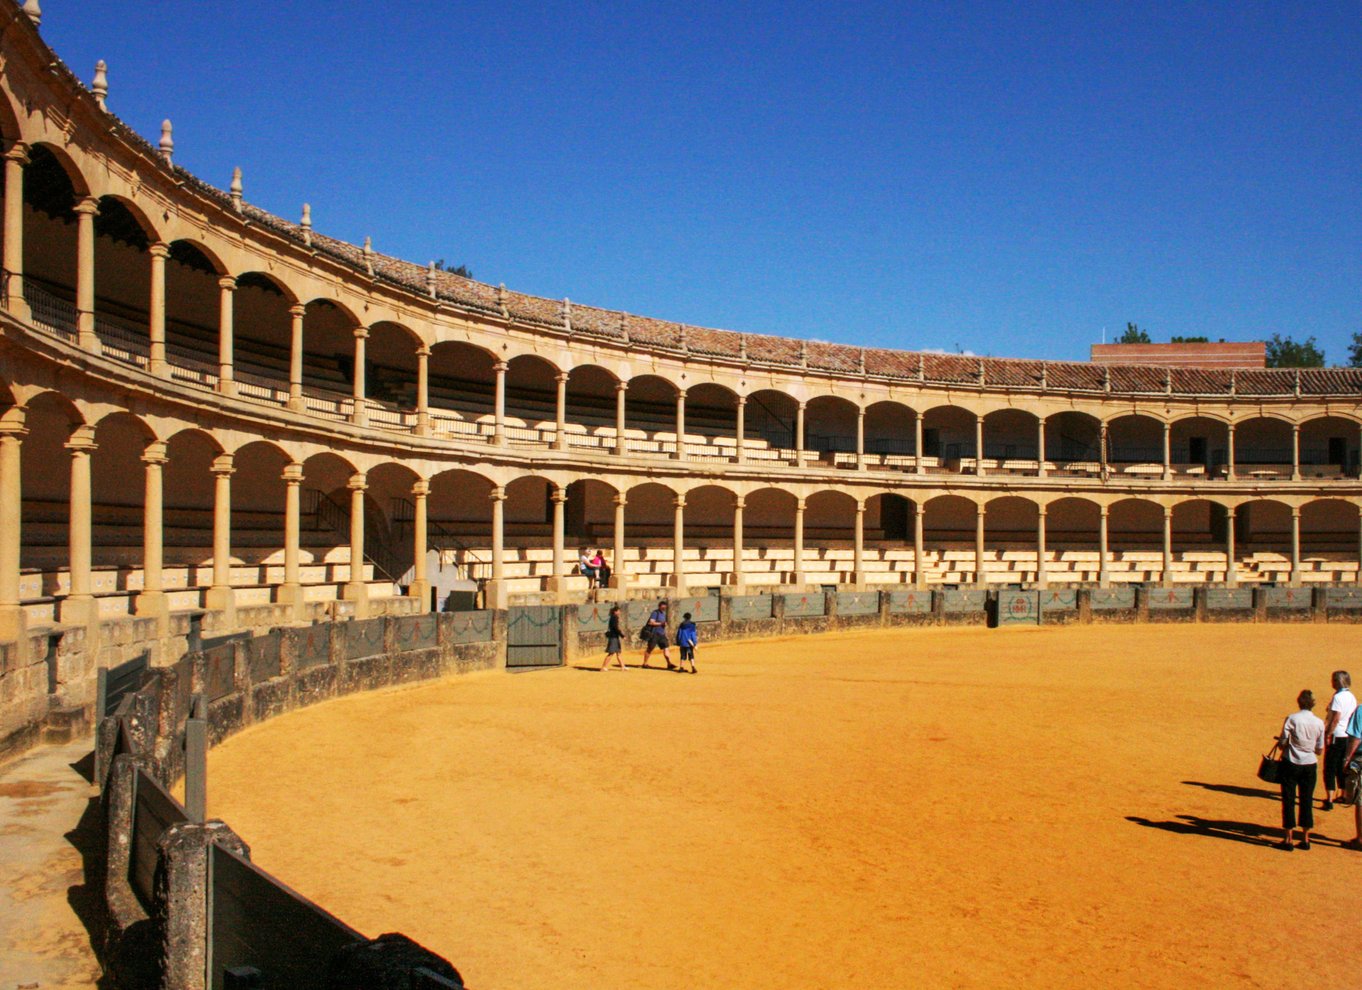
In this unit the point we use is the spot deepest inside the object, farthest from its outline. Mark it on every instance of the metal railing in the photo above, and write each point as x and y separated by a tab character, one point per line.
50	311
329	515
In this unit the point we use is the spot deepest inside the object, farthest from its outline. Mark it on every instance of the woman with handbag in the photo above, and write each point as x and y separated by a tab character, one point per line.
1302	741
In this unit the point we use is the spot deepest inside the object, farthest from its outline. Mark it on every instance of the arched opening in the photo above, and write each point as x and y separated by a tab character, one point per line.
1135	540
1329	540
948	528
45	480
650	415
1011	441
1329	447
649	520
258	511
1072	532
948	435
187	515
390	378
531	400
889	435
1073	443
711	421
591	409
325	526
192	309
1199	446
462	387
1135	445
1199	533
830	429
890	522
459	527
328	358
769	425
122	281
709	515
1262	448
1010	540
1262	530
829	534
50	239
768	536
117	498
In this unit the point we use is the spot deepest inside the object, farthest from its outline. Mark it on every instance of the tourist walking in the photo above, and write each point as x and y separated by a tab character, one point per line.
1341	708
1302	741
614	639
686	639
655	634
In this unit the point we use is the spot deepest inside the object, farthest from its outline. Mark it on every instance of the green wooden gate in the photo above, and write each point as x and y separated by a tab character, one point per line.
534	636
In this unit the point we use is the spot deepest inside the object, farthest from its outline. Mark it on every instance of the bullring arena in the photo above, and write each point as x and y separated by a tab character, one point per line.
242	462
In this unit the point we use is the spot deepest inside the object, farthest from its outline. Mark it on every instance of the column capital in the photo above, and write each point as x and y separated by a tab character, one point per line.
559	495
361	332
1104	511
1230	511
739	502
159	250
1295	512
680	394
293	474
82	441
679	501
423	351
17	152
742	400
921	508
860	507
297	311
1167	512
800	505
621	501
1295	427
562	377
860	412
12	423
420	489
498	494
501	367
87	205
358	482
801	405
227	283
621	386
155	454
1041	510
222	465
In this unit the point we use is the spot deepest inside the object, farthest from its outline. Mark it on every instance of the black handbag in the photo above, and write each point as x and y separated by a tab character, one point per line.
1271	768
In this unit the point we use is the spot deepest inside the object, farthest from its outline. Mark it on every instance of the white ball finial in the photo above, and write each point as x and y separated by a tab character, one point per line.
236	189
100	85
34	12
167	141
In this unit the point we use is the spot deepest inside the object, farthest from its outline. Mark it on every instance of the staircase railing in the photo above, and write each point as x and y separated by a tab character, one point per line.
438	538
328	514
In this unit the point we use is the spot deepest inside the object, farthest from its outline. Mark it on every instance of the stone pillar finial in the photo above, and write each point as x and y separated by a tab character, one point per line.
742	346
501	299
567	314
804	353
306	224
100	85
236	189
34	12
369	254
167	141
430	280
861	361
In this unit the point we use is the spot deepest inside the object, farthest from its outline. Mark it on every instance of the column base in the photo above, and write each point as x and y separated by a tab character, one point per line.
357	592
559	445
13	626
159	368
495	594
89	341
295	403
292	596
83	611
617	581
18	305
226	386
154	605
220	599
421	429
797	577
359	418
420	590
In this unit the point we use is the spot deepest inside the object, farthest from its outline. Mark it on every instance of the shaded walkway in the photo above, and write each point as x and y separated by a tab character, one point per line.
44	800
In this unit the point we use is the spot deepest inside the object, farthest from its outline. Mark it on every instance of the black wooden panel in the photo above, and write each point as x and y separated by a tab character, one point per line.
154	811
123	680
254	920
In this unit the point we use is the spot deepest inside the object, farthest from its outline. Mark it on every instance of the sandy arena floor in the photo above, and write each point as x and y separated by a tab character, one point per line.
893	809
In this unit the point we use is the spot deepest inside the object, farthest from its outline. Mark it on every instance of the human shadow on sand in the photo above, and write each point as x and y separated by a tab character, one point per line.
1250	833
1236	790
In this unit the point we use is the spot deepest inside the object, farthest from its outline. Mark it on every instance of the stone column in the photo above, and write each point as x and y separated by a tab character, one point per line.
917	443
1167	451
295	357
86	210
1295	452
1041	470
799	435
156	324
858	547
1231	570
1103	580
13	262
359	413
740	451
617	575
980	580
1102	445
560	422
620	389
357	589
291	591
1167	545
1042	578
226	381
152	599
680	449
78	607
1229	465
739	503
860	438
1295	545
499	406
679	545
979	468
420	581
558	497
919	550
12	433
220	594
423	391
496	588
797	577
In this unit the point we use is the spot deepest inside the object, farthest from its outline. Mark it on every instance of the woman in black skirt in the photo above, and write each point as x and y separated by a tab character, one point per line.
614	640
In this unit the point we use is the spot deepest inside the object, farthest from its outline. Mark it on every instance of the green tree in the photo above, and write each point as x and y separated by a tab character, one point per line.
1189	340
1133	335
1355	351
1284	352
440	266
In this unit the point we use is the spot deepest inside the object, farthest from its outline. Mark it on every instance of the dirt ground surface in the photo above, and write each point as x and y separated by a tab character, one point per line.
889	809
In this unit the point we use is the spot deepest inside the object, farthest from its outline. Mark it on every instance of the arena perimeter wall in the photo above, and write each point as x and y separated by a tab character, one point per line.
249	680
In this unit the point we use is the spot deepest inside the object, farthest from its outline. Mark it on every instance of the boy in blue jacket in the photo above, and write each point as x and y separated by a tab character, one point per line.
686	638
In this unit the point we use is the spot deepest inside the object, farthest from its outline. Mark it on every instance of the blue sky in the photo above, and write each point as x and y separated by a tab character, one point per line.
1002	178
